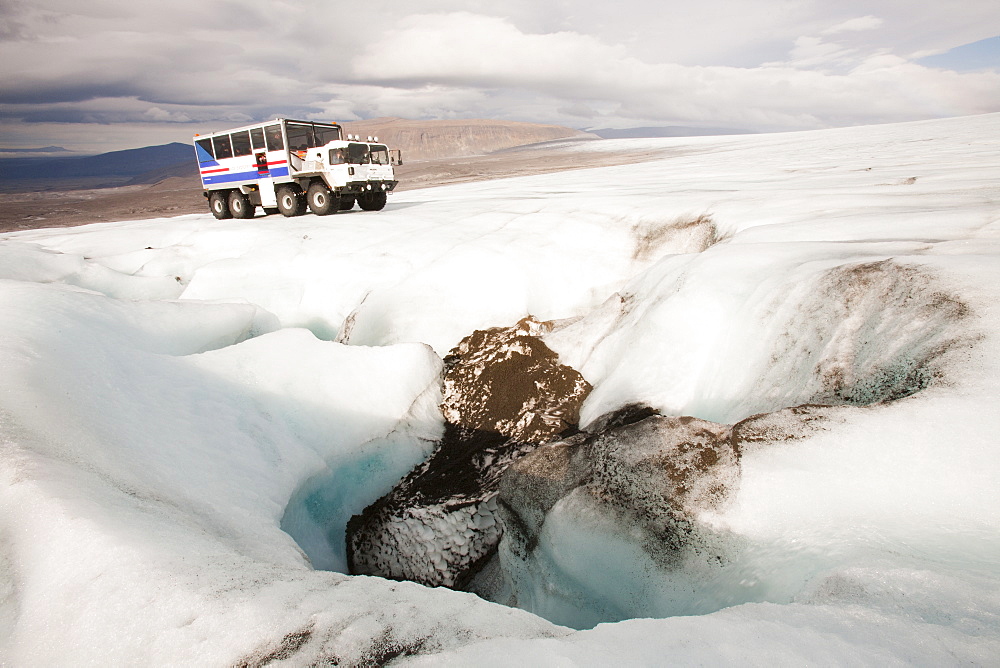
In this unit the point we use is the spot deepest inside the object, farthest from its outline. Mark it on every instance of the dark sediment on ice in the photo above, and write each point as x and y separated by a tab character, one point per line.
505	393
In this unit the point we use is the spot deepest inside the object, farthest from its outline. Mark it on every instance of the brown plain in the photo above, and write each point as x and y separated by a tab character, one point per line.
434	153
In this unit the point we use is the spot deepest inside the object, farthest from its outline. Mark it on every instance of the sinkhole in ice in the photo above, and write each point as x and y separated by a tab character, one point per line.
317	514
627	517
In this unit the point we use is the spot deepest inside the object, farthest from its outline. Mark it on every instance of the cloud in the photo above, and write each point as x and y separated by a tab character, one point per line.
813	52
472	49
861	23
565	69
760	64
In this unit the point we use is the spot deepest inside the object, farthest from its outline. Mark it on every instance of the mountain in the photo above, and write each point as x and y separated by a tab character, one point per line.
126	163
44	149
420	140
666	131
187	169
426	140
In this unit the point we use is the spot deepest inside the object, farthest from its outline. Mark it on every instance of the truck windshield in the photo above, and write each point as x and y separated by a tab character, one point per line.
357	154
380	155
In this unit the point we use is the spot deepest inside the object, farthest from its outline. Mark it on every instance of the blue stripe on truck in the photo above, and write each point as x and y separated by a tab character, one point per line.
251	175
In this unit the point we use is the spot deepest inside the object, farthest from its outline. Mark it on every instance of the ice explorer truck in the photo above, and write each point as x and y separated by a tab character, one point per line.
285	165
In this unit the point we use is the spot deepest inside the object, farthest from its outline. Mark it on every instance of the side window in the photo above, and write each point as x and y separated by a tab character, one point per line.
257	138
273	135
203	147
299	137
325	135
241	143
223	149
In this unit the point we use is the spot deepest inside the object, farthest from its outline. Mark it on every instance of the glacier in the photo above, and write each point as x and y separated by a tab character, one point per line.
191	410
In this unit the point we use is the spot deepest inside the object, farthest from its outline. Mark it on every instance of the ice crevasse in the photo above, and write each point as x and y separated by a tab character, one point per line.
169	388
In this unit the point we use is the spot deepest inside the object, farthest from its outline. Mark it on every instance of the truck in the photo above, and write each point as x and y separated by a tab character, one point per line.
285	166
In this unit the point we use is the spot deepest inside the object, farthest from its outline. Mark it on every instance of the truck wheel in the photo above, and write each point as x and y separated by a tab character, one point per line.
346	202
321	200
219	205
373	201
290	202
240	206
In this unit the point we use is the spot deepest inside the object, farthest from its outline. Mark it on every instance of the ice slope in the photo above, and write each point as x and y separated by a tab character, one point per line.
167	388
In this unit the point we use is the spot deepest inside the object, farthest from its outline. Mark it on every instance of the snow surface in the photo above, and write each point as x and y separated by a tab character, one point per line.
173	396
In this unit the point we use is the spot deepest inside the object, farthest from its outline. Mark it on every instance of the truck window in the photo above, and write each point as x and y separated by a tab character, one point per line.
273	135
204	150
223	149
241	143
357	154
299	137
325	135
380	155
302	136
257	139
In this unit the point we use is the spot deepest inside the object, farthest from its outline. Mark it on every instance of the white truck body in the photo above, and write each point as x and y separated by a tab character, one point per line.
285	164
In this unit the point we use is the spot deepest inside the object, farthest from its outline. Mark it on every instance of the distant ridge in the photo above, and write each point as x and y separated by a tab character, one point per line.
419	140
44	149
115	165
187	169
426	140
666	131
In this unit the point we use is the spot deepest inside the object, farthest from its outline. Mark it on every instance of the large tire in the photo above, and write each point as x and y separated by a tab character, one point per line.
373	201
290	201
322	201
240	206
219	204
346	202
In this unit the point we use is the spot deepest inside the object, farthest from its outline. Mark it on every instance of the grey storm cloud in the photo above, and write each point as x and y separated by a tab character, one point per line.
62	92
758	64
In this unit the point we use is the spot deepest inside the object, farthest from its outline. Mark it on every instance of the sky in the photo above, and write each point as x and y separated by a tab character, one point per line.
111	74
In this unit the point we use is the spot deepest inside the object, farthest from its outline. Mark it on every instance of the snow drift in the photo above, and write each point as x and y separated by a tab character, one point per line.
181	396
